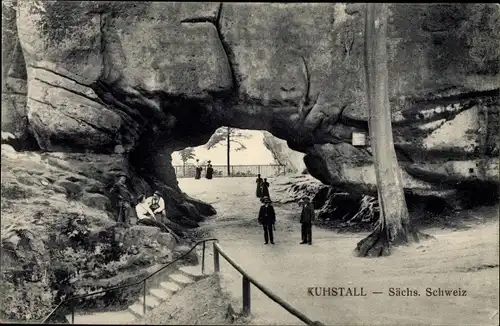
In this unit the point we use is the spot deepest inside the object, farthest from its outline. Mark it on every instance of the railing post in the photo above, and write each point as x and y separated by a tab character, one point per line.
72	311
246	296
216	259
144	298
203	260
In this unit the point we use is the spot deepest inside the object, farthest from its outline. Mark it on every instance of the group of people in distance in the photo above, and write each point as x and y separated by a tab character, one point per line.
209	170
267	215
262	188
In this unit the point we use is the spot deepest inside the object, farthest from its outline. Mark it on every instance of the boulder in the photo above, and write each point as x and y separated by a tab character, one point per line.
140	236
8	151
73	190
97	201
293	160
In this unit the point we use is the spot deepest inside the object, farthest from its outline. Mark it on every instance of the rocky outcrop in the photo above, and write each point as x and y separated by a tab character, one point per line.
293	160
59	235
149	78
331	204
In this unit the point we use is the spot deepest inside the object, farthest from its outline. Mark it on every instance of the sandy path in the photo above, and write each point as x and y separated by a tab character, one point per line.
289	268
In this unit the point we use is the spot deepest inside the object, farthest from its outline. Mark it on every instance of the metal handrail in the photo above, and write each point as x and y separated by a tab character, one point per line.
222	165
71	299
247	279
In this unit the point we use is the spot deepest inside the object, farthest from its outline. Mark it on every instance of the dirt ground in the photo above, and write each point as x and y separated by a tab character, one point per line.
202	303
463	260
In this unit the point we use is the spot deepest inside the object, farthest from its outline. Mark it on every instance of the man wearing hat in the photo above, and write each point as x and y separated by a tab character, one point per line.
306	219
157	204
267	218
123	198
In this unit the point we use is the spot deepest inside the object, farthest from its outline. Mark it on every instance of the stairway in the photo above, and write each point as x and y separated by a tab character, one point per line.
173	283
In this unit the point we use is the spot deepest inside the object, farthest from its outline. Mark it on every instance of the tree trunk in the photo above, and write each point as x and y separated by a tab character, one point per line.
394	223
228	151
184	169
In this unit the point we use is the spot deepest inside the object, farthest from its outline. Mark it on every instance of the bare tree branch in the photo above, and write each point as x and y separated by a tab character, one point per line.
242	147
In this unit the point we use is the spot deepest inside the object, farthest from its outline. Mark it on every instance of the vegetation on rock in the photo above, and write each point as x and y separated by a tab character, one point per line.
55	246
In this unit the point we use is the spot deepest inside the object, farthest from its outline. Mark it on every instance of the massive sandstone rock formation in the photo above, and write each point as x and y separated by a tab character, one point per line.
149	78
293	160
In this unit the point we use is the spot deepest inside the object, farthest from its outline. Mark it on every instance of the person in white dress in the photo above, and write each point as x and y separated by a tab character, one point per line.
146	216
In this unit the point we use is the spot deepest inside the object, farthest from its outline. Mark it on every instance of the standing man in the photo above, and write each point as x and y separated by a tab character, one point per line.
306	219
198	169
267	218
157	205
123	198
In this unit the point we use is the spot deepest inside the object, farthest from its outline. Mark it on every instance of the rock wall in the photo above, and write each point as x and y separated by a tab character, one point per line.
58	234
148	78
293	160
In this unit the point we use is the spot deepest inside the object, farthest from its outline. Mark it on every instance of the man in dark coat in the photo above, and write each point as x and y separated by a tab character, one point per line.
122	198
259	181
265	188
306	219
210	170
267	218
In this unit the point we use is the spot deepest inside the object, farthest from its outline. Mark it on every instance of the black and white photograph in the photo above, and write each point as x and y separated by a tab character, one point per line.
250	163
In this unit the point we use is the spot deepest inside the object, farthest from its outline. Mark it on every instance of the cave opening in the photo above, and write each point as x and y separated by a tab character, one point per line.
231	152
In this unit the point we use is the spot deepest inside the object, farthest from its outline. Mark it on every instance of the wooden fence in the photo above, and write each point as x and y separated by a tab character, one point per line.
265	171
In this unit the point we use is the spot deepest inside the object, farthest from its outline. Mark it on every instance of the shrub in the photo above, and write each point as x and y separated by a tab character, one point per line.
26	301
14	191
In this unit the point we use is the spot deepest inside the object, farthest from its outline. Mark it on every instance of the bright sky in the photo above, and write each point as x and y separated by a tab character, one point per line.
255	154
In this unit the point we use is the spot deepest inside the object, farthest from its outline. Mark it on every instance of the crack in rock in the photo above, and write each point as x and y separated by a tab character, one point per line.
59	74
96	100
306	103
216	23
98	128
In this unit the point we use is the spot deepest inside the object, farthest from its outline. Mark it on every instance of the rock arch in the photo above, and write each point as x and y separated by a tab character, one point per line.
154	77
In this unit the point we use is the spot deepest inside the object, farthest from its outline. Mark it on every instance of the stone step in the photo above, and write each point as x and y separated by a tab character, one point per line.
170	287
137	309
181	280
151	301
160	294
106	318
193	272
